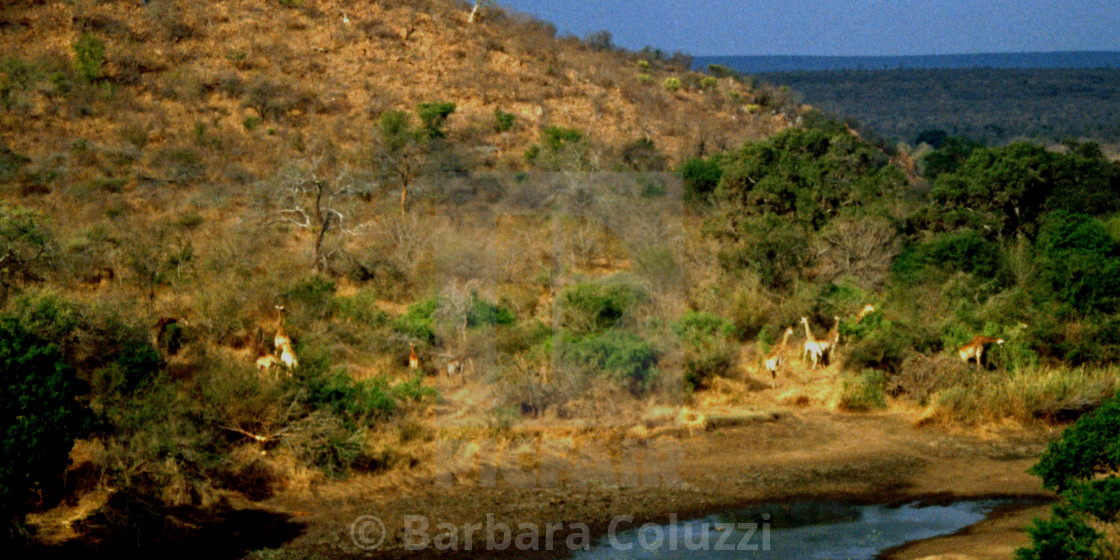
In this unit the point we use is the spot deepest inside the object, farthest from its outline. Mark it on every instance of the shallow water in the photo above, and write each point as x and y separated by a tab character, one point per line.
802	530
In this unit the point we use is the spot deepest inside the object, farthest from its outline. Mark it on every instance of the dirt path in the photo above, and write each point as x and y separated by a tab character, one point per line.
562	476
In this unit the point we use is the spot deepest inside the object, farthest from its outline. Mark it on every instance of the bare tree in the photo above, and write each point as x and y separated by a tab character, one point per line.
311	200
478	4
862	248
457	301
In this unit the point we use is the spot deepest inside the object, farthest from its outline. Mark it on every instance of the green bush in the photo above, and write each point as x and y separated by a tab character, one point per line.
313	294
556	138
864	391
707	351
591	308
418	322
701	176
504	121
89	56
642	155
26	245
959	251
485	313
622	356
881	350
708	82
1081	466
360	308
40	417
1079	262
433	117
671	85
698	329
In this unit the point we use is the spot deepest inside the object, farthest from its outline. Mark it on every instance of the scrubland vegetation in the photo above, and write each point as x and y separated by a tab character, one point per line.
480	215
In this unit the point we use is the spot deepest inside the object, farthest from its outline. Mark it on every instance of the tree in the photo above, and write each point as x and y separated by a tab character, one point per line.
40	416
1081	466
26	248
433	116
1079	262
313	201
400	152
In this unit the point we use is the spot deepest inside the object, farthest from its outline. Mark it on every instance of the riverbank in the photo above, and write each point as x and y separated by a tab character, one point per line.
603	474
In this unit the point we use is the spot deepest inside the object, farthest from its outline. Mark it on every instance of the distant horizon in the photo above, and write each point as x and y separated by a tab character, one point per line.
830	28
968	53
760	64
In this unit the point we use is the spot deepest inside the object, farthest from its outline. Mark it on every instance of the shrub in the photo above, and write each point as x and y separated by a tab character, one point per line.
418	321
707	353
700	328
671	85
433	117
593	308
89	56
485	313
624	357
313	294
1081	466
643	155
26	246
504	121
700	176
556	138
708	82
360	308
864	391
40	417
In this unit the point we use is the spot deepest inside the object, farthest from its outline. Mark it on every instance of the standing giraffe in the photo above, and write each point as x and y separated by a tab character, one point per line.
777	357
831	340
975	348
813	346
283	342
413	358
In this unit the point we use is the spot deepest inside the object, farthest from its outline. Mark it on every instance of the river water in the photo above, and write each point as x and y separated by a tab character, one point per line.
801	530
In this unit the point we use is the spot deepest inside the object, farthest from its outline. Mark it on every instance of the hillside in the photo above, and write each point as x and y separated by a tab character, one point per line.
305	68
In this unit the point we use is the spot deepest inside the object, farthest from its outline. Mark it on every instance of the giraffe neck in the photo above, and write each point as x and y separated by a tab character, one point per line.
808	332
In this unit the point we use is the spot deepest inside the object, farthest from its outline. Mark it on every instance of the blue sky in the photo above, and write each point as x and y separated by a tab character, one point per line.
839	27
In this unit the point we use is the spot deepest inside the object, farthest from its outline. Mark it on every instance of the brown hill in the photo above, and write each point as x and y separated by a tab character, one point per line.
321	68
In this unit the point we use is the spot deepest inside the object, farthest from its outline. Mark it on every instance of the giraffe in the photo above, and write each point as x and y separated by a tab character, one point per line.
777	356
413	358
975	348
283	342
813	346
830	342
867	310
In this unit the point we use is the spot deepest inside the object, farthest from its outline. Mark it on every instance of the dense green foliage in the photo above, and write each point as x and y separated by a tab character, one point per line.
1072	466
787	188
40	416
988	104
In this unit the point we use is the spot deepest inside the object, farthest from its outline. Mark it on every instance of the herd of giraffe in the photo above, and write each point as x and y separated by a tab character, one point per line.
818	351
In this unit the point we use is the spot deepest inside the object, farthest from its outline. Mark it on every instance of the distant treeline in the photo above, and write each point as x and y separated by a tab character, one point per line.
994	106
796	63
